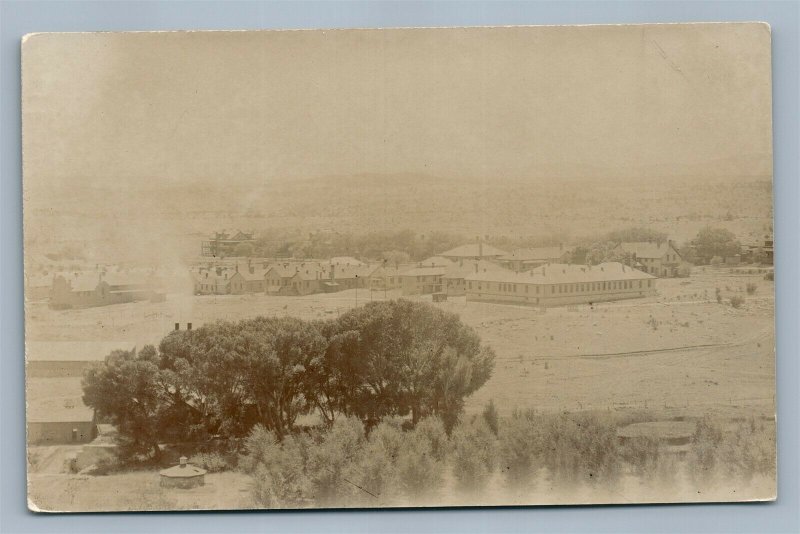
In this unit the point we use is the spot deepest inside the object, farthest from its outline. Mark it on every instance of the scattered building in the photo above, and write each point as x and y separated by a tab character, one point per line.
422	280
560	284
55	412
346	260
49	359
525	259
248	279
387	277
759	252
82	290
224	243
454	281
475	251
658	259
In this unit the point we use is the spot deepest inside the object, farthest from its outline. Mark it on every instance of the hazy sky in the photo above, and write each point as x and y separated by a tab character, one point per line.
124	109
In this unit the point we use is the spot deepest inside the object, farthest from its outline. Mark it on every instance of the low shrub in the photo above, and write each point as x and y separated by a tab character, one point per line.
419	472
751	288
213	462
473	450
491	417
737	301
520	448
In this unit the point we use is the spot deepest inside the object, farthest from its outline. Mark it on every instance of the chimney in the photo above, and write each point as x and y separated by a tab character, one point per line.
177	326
188	326
183	461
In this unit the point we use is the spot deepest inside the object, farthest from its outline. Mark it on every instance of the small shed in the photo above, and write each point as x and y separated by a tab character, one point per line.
184	476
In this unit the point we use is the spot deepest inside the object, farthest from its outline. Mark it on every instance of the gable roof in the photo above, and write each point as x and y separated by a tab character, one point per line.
466	268
536	254
474	250
52	400
345	260
645	249
436	261
425	271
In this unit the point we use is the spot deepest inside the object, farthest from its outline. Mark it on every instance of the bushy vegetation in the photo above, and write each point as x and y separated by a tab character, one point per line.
213	462
385	359
751	288
343	466
396	465
715	242
737	301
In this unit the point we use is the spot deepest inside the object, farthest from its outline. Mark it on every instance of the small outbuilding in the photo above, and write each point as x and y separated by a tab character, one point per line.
184	476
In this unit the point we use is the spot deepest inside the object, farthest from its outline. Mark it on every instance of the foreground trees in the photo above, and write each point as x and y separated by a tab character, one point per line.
393	358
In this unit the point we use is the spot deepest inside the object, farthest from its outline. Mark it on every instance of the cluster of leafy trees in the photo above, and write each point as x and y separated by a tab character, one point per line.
393	358
399	246
711	242
708	243
406	245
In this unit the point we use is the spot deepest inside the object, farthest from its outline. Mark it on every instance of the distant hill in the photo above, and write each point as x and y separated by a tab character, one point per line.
157	213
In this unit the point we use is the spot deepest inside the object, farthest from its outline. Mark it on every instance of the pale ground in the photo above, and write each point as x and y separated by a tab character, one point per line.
680	349
701	357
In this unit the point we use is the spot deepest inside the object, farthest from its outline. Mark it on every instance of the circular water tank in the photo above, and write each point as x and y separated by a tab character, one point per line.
184	475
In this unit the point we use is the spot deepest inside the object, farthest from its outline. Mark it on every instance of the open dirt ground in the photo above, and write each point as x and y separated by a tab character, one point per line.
679	350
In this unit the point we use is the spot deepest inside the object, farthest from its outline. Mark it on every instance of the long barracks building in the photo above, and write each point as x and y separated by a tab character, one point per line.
560	284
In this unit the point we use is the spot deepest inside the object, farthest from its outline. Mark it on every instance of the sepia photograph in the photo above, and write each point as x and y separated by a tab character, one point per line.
399	268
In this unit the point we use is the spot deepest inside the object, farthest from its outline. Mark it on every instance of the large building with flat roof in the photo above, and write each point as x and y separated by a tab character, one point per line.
560	284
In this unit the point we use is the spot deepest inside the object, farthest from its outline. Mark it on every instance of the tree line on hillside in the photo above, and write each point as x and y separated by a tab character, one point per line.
405	246
384	359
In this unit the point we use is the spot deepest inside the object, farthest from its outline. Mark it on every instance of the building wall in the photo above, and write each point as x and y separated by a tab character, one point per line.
46	433
454	287
421	284
558	294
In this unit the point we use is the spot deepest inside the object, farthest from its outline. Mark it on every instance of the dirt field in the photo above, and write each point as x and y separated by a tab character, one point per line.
680	350
136	491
